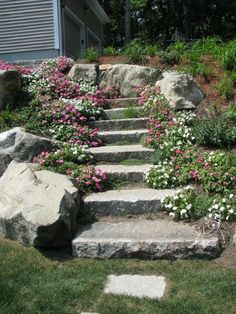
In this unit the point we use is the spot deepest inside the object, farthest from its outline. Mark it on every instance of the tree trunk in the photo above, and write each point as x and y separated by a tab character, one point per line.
127	22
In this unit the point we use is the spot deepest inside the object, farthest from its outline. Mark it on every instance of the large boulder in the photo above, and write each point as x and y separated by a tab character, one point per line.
180	90
84	72
10	85
16	143
37	207
127	77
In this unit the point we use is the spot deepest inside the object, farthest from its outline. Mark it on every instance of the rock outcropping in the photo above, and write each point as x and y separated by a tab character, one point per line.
127	77
16	143
180	90
37	207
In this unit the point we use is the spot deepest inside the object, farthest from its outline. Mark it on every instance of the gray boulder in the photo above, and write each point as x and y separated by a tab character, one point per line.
10	85
127	77
37	207
180	90
16	143
85	72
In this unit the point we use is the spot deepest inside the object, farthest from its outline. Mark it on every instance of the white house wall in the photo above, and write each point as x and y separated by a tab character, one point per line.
28	29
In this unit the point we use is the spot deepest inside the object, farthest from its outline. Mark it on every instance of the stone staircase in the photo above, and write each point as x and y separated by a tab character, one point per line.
115	236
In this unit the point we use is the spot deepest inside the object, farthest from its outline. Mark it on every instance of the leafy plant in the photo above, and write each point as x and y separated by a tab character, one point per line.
170	57
135	52
110	51
151	50
91	54
217	132
225	87
133	112
197	68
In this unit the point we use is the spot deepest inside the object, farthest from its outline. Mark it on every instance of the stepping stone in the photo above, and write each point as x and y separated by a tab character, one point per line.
132	136
122	102
131	173
119	124
147	239
139	286
118	113
116	202
121	152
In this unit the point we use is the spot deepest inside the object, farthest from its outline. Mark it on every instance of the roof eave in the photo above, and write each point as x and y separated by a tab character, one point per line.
98	10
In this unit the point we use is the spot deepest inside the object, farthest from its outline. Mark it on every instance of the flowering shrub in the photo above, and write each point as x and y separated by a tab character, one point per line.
190	205
180	206
180	162
162	175
224	207
68	153
92	179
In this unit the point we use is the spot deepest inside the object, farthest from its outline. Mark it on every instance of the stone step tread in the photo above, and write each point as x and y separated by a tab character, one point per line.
119	124
121	109
129	195
122	102
125	169
124	132
144	239
119	148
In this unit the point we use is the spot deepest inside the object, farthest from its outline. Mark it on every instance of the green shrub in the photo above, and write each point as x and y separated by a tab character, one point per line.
196	68
151	50
135	52
8	118
110	51
91	54
225	87
170	57
217	132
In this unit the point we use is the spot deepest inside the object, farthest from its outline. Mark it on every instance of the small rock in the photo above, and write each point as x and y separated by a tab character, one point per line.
234	238
84	72
37	207
104	67
152	287
180	90
16	143
10	84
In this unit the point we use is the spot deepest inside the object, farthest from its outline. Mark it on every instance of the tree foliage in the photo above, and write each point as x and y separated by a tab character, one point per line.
157	20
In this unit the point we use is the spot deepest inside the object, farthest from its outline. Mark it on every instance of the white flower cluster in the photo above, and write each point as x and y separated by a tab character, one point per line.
178	206
86	108
225	208
184	118
161	175
87	88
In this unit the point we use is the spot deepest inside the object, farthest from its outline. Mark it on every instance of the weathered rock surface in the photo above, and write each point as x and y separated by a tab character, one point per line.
85	72
10	84
131	173
160	239
180	90
121	152
117	202
122	102
119	124
16	143
37	207
131	136
126	77
234	238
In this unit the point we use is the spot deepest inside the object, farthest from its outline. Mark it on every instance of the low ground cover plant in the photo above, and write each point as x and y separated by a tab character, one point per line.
59	107
180	161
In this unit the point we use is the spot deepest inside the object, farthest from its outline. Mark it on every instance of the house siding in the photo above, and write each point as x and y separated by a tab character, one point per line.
26	26
90	20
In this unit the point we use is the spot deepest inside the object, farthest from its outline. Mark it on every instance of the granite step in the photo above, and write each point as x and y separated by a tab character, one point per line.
119	113
119	124
122	102
131	136
159	239
127	173
119	202
121	152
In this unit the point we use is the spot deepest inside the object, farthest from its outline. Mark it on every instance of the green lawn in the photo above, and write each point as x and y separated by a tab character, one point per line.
32	283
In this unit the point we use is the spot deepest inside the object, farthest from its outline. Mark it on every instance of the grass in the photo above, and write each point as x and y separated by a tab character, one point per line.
32	283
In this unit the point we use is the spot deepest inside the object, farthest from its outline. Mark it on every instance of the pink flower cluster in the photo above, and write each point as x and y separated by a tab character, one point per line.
92	178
